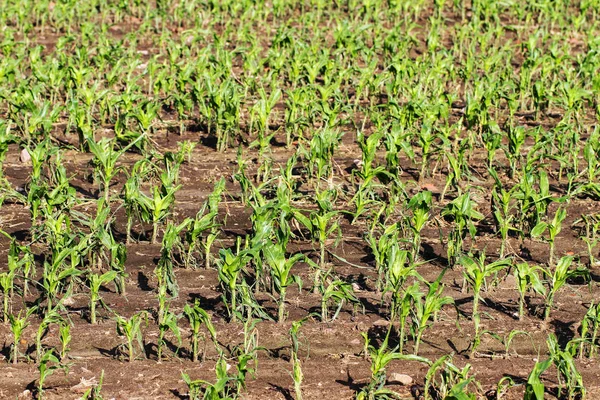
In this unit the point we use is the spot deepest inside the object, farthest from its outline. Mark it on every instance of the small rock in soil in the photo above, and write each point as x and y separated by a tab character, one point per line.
25	157
399	379
381	322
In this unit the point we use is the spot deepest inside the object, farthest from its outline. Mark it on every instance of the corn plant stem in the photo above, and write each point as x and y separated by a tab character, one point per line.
549	301
93	311
593	345
416	246
281	312
15	350
129	223
475	315
206	255
320	268
160	344
5	307
418	341
521	306
130	348
194	346
188	258
106	192
297	375
233	302
154	232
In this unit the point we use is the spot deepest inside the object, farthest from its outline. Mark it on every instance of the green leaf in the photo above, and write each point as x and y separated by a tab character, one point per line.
539	229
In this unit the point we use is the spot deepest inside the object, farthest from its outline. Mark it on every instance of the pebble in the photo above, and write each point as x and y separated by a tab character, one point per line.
25	157
399	379
381	322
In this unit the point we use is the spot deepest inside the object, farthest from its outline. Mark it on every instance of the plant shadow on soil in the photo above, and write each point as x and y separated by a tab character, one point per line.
287	395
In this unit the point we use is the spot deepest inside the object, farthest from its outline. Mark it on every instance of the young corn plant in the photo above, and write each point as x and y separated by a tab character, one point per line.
164	271
590	324
553	227
379	246
516	138
132	330
95	282
7	283
51	317
590	234
420	205
205	220
105	162
281	272
321	224
338	292
64	332
18	324
558	278
527	277
297	374
197	317
462	212
568	375
380	358
168	323
501	210
57	278
428	307
475	273
230	267
204	390
534	387
398	268
135	205
319	154
48	364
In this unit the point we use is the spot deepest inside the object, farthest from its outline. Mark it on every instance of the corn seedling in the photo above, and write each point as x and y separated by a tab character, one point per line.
94	393
590	325
321	225
168	323
47	365
281	272
95	283
230	266
475	272
564	361
338	292
558	278
380	357
105	162
205	220
51	317
18	324
528	278
297	374
420	205
590	234
7	282
553	227
220	390
132	330
428	307
64	330
165	274
197	316
462	212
